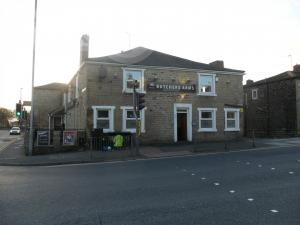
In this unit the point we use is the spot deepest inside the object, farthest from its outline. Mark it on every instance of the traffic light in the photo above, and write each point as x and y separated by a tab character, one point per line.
24	115
18	109
140	101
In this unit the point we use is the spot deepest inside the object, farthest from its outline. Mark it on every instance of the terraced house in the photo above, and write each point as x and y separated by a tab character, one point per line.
185	100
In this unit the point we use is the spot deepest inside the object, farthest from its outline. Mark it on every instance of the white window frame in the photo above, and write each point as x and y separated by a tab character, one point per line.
111	110
130	90
124	118
213	92
237	119
214	121
254	93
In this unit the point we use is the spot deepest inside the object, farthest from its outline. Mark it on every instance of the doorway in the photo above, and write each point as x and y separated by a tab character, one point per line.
182	125
182	122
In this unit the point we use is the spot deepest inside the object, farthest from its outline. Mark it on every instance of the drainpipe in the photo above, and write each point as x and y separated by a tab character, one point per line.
49	128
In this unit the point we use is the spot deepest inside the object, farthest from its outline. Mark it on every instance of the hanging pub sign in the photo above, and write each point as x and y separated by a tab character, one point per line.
171	87
69	137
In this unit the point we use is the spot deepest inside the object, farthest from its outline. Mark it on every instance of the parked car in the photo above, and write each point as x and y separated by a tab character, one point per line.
15	130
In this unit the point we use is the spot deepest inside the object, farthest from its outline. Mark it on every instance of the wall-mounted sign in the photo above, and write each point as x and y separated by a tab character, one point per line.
42	138
171	87
69	137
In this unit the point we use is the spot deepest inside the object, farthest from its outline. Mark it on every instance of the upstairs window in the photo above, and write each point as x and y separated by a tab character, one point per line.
206	84
254	94
131	75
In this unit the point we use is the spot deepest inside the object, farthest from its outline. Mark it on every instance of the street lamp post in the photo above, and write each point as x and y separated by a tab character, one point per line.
30	147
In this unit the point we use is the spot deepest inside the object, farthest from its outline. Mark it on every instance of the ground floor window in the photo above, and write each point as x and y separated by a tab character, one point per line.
207	119
103	118
232	119
128	119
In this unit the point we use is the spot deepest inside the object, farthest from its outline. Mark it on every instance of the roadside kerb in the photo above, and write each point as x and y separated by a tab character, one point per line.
197	154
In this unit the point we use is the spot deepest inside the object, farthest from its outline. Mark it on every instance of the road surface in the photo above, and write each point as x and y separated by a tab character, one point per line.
242	188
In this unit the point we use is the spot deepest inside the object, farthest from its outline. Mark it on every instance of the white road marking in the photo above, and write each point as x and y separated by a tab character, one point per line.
216	184
247	163
272	168
274	211
298	160
250	199
259	165
232	191
193	174
203	178
291	172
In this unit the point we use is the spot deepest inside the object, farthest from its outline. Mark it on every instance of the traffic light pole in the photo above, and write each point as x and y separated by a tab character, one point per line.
136	141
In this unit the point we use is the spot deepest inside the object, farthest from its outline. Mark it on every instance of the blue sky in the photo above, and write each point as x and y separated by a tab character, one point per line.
256	36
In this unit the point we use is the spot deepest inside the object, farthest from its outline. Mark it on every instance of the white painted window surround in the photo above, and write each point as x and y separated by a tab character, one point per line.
110	117
254	94
207	120
207	84
232	119
134	74
128	110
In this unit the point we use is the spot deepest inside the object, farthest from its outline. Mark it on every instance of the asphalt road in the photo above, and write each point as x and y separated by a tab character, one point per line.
6	139
241	188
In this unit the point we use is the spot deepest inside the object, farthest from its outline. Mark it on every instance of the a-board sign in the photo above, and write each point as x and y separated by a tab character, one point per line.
69	137
42	137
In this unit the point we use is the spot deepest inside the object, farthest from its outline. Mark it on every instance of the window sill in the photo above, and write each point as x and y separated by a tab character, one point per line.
207	94
130	91
232	129
132	131
108	131
207	130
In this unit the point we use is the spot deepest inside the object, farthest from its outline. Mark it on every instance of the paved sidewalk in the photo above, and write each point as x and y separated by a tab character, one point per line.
14	154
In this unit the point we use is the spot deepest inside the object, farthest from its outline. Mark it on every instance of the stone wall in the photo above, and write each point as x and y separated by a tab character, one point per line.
104	87
273	113
45	101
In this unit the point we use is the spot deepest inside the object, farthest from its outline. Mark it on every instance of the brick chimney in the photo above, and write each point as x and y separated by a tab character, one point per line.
218	64
84	48
249	82
296	68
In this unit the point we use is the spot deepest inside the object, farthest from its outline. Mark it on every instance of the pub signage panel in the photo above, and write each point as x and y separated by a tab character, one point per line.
172	87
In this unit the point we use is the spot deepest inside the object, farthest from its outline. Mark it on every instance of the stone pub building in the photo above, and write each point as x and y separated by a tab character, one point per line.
186	101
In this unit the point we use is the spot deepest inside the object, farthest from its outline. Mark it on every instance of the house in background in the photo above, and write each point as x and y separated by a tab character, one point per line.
49	111
185	100
272	105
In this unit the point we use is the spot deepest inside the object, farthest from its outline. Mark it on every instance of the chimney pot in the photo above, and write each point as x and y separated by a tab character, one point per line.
296	68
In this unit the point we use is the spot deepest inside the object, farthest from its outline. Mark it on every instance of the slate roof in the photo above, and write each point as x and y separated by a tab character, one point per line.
282	76
52	86
146	57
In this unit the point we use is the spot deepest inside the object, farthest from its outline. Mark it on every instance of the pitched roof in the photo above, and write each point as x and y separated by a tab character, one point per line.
282	76
52	86
147	57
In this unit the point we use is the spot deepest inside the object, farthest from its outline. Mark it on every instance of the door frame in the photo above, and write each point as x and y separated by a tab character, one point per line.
188	107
